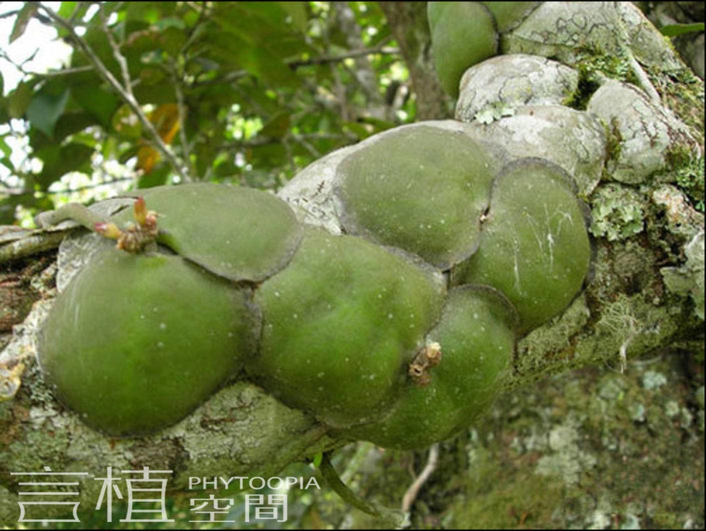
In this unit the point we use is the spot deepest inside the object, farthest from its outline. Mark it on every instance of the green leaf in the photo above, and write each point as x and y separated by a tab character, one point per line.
23	18
673	30
67	9
60	160
96	101
316	461
126	123
150	12
128	154
4	147
277	126
172	40
19	99
157	177
378	125
69	123
357	129
170	22
5	161
297	13
46	108
8	205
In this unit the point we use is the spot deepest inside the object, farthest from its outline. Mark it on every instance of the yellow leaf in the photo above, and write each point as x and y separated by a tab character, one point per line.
166	120
147	157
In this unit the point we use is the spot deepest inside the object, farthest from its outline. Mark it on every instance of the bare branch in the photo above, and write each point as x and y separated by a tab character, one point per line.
177	81
51	73
314	61
411	495
9	14
378	50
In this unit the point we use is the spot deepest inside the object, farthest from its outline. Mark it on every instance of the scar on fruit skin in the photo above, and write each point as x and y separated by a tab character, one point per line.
427	358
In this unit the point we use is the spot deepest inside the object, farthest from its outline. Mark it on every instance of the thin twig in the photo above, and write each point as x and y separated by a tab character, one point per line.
314	61
306	145
5	190
181	109
51	73
307	137
77	12
9	14
91	186
378	50
194	29
411	495
119	57
125	93
338	84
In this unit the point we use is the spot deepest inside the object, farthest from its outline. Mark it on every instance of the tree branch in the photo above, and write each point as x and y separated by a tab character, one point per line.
411	495
51	73
410	27
125	92
181	108
314	61
325	59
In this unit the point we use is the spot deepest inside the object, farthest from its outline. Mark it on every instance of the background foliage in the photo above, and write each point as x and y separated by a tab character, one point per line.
235	92
240	92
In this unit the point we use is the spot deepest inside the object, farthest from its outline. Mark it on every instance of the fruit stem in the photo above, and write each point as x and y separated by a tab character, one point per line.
134	239
74	211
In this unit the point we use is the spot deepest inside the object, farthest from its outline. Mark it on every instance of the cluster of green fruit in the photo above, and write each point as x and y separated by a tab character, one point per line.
466	33
398	331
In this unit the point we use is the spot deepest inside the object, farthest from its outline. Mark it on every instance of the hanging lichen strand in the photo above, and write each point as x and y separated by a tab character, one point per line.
355	329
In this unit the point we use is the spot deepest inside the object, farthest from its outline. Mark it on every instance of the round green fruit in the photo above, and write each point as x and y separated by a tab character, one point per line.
462	34
234	232
339	324
476	335
422	189
136	342
535	247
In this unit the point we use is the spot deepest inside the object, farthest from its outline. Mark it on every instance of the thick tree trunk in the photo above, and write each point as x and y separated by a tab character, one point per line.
644	293
410	27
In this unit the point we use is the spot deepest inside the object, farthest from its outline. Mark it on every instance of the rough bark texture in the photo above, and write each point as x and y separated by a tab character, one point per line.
410	27
644	293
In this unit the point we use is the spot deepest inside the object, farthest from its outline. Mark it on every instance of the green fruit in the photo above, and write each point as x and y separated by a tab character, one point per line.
339	324
462	34
477	339
237	233
509	15
535	246
421	189
135	343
